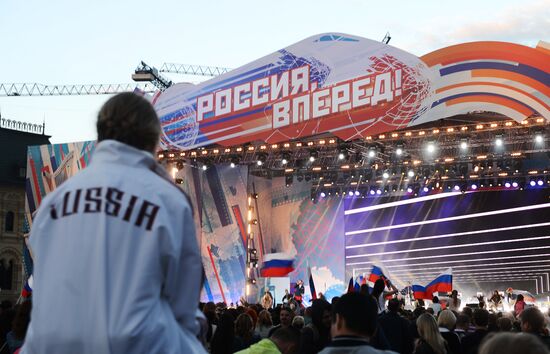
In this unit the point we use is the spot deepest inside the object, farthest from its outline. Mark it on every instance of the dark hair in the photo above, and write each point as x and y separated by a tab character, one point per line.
435	299
289	337
359	311
520	298
222	340
129	119
534	318
481	317
393	305
364	289
379	286
504	324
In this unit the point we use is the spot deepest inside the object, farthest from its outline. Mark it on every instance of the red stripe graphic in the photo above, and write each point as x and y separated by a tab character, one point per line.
216	273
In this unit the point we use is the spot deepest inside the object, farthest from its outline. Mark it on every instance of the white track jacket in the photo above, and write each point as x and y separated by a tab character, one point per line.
116	262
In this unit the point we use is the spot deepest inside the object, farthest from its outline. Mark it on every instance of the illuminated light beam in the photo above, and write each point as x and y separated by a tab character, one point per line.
492	281
545	268
438	269
477	260
451	218
519	227
401	202
496	276
455	255
450	246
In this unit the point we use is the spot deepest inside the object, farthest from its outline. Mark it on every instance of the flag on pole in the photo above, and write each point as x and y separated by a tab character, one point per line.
311	284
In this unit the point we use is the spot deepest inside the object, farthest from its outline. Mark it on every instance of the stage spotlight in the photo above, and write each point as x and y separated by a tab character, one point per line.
350	193
410	173
399	151
372	192
323	194
343	154
357	193
372	153
507	184
378	191
425	189
532	183
456	187
385	175
410	190
539	139
232	164
473	186
464	145
515	184
204	167
430	147
313	154
285	159
499	142
540	182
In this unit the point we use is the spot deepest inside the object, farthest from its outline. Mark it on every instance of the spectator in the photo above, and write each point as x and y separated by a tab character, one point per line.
462	326
431	341
379	294
454	304
532	321
283	340
286	315
244	333
471	342
396	329
264	324
436	306
519	306
316	335
132	271
222	341
298	322
353	320
447	322
504	324
512	343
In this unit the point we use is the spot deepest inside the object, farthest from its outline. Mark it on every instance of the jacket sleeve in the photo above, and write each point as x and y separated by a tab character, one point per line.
183	278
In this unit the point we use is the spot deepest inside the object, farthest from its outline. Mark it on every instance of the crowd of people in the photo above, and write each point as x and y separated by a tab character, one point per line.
116	272
353	323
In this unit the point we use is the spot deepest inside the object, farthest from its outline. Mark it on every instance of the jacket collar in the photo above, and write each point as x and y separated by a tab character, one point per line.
115	152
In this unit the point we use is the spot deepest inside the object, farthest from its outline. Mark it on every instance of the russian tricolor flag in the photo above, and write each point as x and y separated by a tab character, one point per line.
277	265
27	288
442	283
375	274
419	292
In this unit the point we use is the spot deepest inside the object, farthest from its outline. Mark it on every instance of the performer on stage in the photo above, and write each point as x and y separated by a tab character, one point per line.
454	304
299	291
286	298
267	299
495	302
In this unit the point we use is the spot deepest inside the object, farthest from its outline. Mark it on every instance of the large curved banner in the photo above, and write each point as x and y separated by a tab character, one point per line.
353	87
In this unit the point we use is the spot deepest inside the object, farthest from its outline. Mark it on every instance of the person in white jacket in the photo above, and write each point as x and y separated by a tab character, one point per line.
117	267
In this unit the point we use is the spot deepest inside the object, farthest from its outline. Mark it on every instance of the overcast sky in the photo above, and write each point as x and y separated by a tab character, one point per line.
100	41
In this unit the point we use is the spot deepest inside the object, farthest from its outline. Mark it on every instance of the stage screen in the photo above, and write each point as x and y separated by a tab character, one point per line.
491	239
